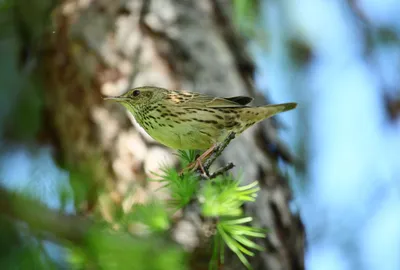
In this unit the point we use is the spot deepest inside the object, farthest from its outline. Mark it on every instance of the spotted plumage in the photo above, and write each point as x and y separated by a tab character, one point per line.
188	120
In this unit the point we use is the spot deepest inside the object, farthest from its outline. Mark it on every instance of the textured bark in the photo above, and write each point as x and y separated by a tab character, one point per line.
105	47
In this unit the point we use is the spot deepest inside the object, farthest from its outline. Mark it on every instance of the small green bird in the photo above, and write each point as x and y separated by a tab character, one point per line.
187	120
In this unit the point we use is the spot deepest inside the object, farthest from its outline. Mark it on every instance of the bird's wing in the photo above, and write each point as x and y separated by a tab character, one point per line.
190	99
242	100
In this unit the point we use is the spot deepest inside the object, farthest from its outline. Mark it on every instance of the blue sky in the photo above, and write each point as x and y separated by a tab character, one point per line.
351	200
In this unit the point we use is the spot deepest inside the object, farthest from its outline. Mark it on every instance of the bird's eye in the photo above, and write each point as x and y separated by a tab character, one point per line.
135	93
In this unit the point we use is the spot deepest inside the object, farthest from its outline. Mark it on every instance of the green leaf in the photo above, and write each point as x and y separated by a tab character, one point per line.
234	246
246	16
114	250
154	215
224	197
236	237
187	156
238	221
246	242
216	250
182	187
249	231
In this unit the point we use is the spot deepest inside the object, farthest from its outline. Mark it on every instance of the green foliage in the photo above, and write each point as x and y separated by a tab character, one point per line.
221	198
5	5
246	15
19	251
78	179
236	236
22	27
28	256
246	11
121	244
26	115
34	20
187	156
154	215
116	250
182	187
224	197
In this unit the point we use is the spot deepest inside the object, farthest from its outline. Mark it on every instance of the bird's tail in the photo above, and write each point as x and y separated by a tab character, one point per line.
271	110
256	114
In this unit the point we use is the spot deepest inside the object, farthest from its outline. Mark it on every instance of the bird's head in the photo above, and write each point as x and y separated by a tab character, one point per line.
139	97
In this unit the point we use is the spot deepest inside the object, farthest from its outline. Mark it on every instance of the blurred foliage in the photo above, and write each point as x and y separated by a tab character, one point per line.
300	52
25	121
22	27
183	187
388	36
19	250
248	19
115	250
84	190
153	215
14	253
128	241
246	15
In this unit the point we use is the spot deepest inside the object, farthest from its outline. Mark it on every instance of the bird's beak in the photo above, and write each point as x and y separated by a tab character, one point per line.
117	99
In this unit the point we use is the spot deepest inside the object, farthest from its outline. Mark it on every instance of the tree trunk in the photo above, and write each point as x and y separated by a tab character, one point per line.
105	47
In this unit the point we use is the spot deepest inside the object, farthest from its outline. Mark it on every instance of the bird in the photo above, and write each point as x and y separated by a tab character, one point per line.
187	120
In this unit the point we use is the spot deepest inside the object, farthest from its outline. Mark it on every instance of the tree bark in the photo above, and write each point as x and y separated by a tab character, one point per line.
104	48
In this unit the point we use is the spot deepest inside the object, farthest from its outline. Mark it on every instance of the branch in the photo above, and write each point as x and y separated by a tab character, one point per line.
218	150
45	221
222	170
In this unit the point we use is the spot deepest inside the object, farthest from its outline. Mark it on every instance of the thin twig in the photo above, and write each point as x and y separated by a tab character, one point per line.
218	150
222	170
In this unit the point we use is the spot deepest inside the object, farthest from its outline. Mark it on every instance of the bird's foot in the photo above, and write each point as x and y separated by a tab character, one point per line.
195	165
198	163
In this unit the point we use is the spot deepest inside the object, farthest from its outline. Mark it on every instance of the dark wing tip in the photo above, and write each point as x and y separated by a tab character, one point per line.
240	100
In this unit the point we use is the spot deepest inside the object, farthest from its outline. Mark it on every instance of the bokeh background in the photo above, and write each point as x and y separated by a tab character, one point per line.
340	60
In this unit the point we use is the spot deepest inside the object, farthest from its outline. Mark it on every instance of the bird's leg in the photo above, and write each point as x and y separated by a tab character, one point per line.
198	163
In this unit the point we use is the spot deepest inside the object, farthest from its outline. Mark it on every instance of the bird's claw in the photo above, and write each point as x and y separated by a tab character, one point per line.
193	166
